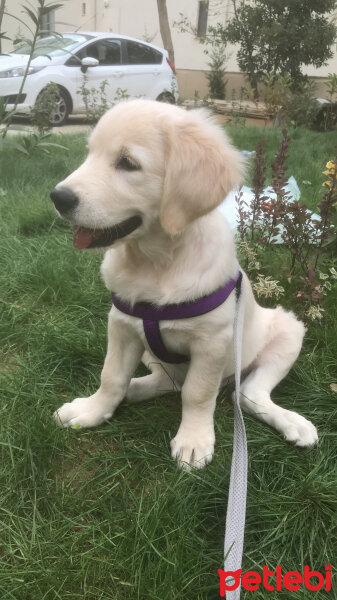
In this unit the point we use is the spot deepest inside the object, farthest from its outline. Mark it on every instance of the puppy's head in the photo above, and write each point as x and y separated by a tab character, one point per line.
148	163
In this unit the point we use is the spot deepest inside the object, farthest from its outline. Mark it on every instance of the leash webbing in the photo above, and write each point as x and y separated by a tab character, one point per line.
236	506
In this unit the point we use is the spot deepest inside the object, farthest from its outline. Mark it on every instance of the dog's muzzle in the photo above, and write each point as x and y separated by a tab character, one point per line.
65	202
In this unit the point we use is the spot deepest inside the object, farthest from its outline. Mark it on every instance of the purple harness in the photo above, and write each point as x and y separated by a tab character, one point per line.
152	314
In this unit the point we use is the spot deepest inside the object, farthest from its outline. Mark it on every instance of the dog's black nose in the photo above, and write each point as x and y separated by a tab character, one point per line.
64	199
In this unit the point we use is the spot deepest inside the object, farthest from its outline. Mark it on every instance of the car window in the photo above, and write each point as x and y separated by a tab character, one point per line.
55	45
139	54
107	52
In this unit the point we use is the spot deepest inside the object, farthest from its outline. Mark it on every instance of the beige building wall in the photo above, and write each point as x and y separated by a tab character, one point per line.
139	18
191	82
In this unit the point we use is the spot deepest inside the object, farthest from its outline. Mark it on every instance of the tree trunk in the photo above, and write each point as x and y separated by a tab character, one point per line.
165	28
2	10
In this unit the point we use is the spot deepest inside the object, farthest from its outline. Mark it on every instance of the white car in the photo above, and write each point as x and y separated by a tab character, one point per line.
139	68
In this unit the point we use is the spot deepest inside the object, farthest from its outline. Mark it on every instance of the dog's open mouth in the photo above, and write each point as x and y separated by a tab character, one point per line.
99	238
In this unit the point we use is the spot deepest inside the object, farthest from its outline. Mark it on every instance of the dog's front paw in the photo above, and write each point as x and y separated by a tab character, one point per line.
81	412
297	429
193	448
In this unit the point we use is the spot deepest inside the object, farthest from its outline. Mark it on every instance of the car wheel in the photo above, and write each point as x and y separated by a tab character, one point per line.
166	97
60	112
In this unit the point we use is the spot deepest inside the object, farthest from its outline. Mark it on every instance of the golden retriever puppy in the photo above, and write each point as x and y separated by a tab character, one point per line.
147	193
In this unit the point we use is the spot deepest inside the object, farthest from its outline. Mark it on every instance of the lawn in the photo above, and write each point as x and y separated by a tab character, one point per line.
106	514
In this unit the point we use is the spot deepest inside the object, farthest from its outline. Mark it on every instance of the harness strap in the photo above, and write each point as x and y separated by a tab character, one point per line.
151	314
155	341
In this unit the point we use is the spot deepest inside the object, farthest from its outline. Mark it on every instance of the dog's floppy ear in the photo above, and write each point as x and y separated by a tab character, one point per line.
201	168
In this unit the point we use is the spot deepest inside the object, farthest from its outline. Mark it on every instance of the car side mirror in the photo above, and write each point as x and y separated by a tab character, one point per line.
87	62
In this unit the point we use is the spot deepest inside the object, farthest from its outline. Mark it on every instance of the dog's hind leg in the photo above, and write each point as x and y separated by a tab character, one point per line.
163	379
270	367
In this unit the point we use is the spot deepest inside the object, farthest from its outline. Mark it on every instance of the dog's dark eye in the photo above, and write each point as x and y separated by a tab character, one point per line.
127	164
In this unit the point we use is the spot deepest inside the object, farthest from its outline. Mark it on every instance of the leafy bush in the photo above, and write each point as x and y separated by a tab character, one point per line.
35	17
237	114
36	140
216	76
44	107
275	92
302	107
326	118
311	243
95	100
286	105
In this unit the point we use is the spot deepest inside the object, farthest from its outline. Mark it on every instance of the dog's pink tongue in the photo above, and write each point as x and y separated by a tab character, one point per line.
82	237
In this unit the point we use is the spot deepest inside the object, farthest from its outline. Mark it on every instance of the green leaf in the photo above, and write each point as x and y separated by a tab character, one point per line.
21	148
54	145
45	56
30	13
47	9
22	40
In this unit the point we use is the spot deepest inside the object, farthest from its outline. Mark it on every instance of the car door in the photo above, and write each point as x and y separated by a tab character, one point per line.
142	69
108	52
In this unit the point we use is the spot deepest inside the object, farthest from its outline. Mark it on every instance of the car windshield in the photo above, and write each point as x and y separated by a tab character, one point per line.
53	45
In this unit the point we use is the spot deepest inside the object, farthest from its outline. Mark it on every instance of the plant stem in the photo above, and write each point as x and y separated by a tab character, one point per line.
8	118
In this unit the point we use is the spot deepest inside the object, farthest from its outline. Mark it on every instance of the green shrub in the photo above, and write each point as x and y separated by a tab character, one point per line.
42	111
216	76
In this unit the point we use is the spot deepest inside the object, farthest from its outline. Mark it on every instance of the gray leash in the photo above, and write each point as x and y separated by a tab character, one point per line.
236	507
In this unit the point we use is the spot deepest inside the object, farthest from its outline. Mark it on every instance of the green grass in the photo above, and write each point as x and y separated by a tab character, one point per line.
106	514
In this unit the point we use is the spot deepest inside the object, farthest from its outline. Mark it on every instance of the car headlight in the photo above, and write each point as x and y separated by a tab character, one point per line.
20	71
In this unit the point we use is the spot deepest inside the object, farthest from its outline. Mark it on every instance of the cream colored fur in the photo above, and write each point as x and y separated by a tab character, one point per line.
183	250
